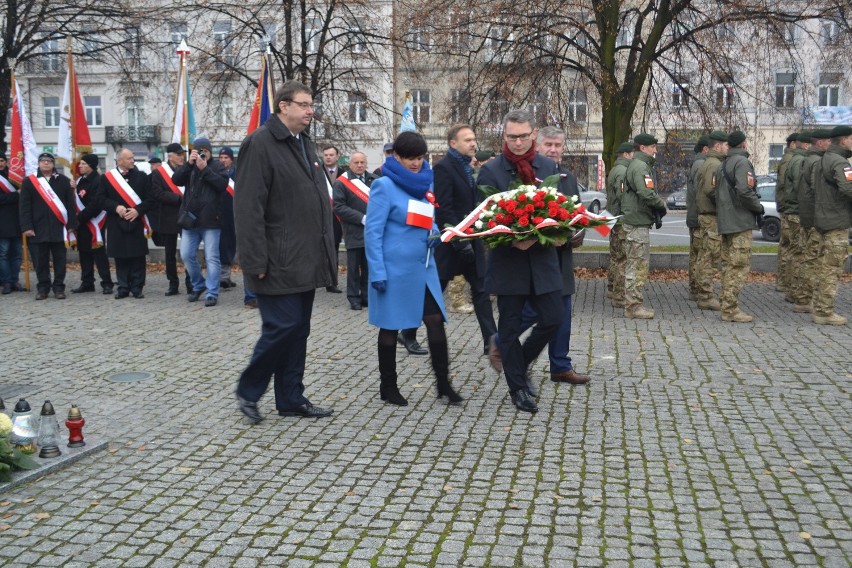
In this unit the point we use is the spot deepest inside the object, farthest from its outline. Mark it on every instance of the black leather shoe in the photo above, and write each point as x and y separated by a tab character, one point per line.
82	288
107	291
193	296
121	295
227	283
139	295
7	288
412	346
172	292
355	306
523	401
333	290
307	410
249	408
41	296
59	295
210	301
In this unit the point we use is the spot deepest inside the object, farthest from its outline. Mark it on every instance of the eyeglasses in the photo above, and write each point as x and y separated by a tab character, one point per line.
302	105
516	137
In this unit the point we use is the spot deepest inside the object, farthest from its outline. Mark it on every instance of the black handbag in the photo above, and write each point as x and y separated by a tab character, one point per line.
187	220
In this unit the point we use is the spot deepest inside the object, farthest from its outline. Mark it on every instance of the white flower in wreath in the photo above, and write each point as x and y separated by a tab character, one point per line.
575	199
479	224
531	195
487	214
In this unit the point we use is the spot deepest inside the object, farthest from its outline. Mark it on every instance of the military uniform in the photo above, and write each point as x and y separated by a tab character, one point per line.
638	203
791	283
781	206
811	238
692	218
617	258
708	234
737	204
832	218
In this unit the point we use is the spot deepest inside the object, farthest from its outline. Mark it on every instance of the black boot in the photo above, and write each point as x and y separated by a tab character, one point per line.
388	391
441	366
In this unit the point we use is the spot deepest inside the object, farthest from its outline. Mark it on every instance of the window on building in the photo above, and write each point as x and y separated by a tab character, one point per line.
357	108
459	36
538	107
318	122
225	111
132	43
51	112
680	92
421	106
829	31
785	90
791	32
135	111
177	32
313	29
89	38
829	89
724	92
459	106
577	105
51	59
420	38
223	42
94	110
270	32
356	39
625	30
776	152
497	108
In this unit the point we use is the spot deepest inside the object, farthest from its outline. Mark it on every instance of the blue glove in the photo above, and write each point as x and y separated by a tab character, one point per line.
432	242
380	285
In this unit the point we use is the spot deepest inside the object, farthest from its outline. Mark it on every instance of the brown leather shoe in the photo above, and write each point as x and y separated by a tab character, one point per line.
494	355
571	376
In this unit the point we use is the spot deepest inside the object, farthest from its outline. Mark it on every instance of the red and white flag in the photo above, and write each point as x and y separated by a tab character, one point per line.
23	155
74	139
420	214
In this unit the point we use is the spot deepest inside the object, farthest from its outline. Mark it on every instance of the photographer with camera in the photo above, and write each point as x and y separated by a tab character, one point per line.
200	217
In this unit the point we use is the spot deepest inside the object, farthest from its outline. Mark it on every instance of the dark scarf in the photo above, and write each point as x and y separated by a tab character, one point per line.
465	164
415	185
522	163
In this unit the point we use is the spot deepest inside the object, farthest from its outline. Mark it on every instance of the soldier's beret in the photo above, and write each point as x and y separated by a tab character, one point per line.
645	139
736	138
624	147
821	134
792	137
839	131
805	137
718	136
701	144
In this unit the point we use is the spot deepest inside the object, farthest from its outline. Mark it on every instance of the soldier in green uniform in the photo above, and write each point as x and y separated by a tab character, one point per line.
780	194
811	238
617	258
701	150
705	202
832	218
737	203
638	204
792	286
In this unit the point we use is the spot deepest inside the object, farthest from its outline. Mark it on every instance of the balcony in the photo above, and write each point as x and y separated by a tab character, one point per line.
148	134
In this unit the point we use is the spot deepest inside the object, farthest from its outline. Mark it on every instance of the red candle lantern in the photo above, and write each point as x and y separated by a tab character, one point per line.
75	425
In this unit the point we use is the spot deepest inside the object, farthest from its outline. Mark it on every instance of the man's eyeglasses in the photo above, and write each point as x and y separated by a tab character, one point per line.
516	137
302	105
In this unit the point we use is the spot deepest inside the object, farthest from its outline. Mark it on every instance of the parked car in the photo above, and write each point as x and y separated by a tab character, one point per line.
676	200
595	201
771	230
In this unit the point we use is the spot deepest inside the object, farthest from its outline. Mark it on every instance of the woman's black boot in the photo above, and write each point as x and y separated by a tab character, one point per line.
388	390
441	366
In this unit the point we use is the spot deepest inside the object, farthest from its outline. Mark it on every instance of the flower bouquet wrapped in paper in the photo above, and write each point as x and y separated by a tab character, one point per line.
527	214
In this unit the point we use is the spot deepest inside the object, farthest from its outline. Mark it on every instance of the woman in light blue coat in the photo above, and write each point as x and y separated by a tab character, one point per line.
400	235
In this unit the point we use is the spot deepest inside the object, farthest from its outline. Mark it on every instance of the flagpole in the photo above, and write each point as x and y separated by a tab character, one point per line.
72	109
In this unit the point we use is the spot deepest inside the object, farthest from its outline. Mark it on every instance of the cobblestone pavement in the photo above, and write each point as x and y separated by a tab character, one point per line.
697	444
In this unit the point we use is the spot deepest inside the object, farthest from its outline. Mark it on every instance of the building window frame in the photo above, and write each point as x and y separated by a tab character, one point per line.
93	107
51	112
421	106
785	89
135	111
357	108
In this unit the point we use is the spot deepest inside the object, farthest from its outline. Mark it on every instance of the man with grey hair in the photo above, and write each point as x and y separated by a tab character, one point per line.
351	196
518	274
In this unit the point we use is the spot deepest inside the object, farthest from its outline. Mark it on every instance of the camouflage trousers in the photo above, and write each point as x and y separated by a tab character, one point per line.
736	263
783	254
694	243
833	253
638	254
617	259
793	272
811	243
708	256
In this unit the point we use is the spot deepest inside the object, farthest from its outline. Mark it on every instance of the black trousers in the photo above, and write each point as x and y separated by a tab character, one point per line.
170	250
130	274
338	236
42	253
281	350
88	260
517	357
481	301
356	275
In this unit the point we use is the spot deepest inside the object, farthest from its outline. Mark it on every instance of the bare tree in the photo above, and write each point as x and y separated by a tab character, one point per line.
622	57
35	36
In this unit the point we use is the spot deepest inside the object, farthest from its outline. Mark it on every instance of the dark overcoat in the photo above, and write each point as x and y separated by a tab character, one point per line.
350	209
126	239
38	217
168	204
87	188
10	224
282	211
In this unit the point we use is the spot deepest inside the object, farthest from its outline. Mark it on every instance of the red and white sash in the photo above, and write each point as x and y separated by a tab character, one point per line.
130	198
230	187
6	186
53	202
95	224
420	214
167	177
356	186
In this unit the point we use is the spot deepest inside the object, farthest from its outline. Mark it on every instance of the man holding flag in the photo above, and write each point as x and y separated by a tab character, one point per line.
48	219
